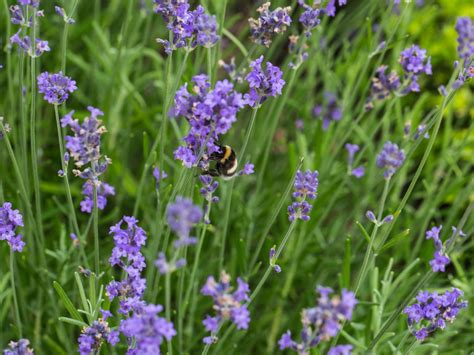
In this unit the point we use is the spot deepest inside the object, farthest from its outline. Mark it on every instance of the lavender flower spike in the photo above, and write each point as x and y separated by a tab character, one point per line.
10	219
269	24
263	82
390	158
306	186
433	311
465	29
182	216
92	337
227	304
19	347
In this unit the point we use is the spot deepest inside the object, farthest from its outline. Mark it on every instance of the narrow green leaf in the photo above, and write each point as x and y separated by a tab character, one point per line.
364	233
346	264
92	290
82	293
73	321
67	302
395	240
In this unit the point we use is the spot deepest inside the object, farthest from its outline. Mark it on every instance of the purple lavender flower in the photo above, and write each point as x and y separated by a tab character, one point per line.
92	337
210	114
433	311
329	111
272	260
331	7
248	169
309	19
84	145
159	175
439	262
24	43
19	347
17	17
414	63
127	255
103	190
189	28
306	186
148	330
421	131
227	304
341	350
352	149
209	187
322	322
390	158
182	216
61	12
164	266
383	85
55	87
465	30
10	219
433	233
269	24
263	83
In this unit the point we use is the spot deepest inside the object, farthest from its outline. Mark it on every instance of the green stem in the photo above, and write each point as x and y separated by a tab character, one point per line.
168	306
96	233
273	218
72	216
369	251
15	300
34	153
269	268
161	136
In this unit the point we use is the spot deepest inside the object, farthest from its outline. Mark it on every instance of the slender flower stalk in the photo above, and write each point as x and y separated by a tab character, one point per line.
34	149
14	292
369	251
72	211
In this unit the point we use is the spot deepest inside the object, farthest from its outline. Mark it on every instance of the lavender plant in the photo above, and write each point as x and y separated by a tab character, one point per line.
350	120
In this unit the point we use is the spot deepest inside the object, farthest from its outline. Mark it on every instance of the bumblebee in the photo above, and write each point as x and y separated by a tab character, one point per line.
226	163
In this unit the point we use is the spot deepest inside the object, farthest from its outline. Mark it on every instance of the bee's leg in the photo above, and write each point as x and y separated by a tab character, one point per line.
210	172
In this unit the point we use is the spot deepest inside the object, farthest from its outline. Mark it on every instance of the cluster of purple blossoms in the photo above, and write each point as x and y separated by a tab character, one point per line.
209	187
309	19
38	47
465	29
359	171
433	311
188	28
84	145
414	63
227	304
10	219
331	7
147	329
421	131
383	85
341	350
92	337
322	322
24	43
103	190
159	175
182	216
19	347
61	12
441	259
306	186
371	217
269	24
127	255
164	266
263	83
210	113
390	158
55	87
329	111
